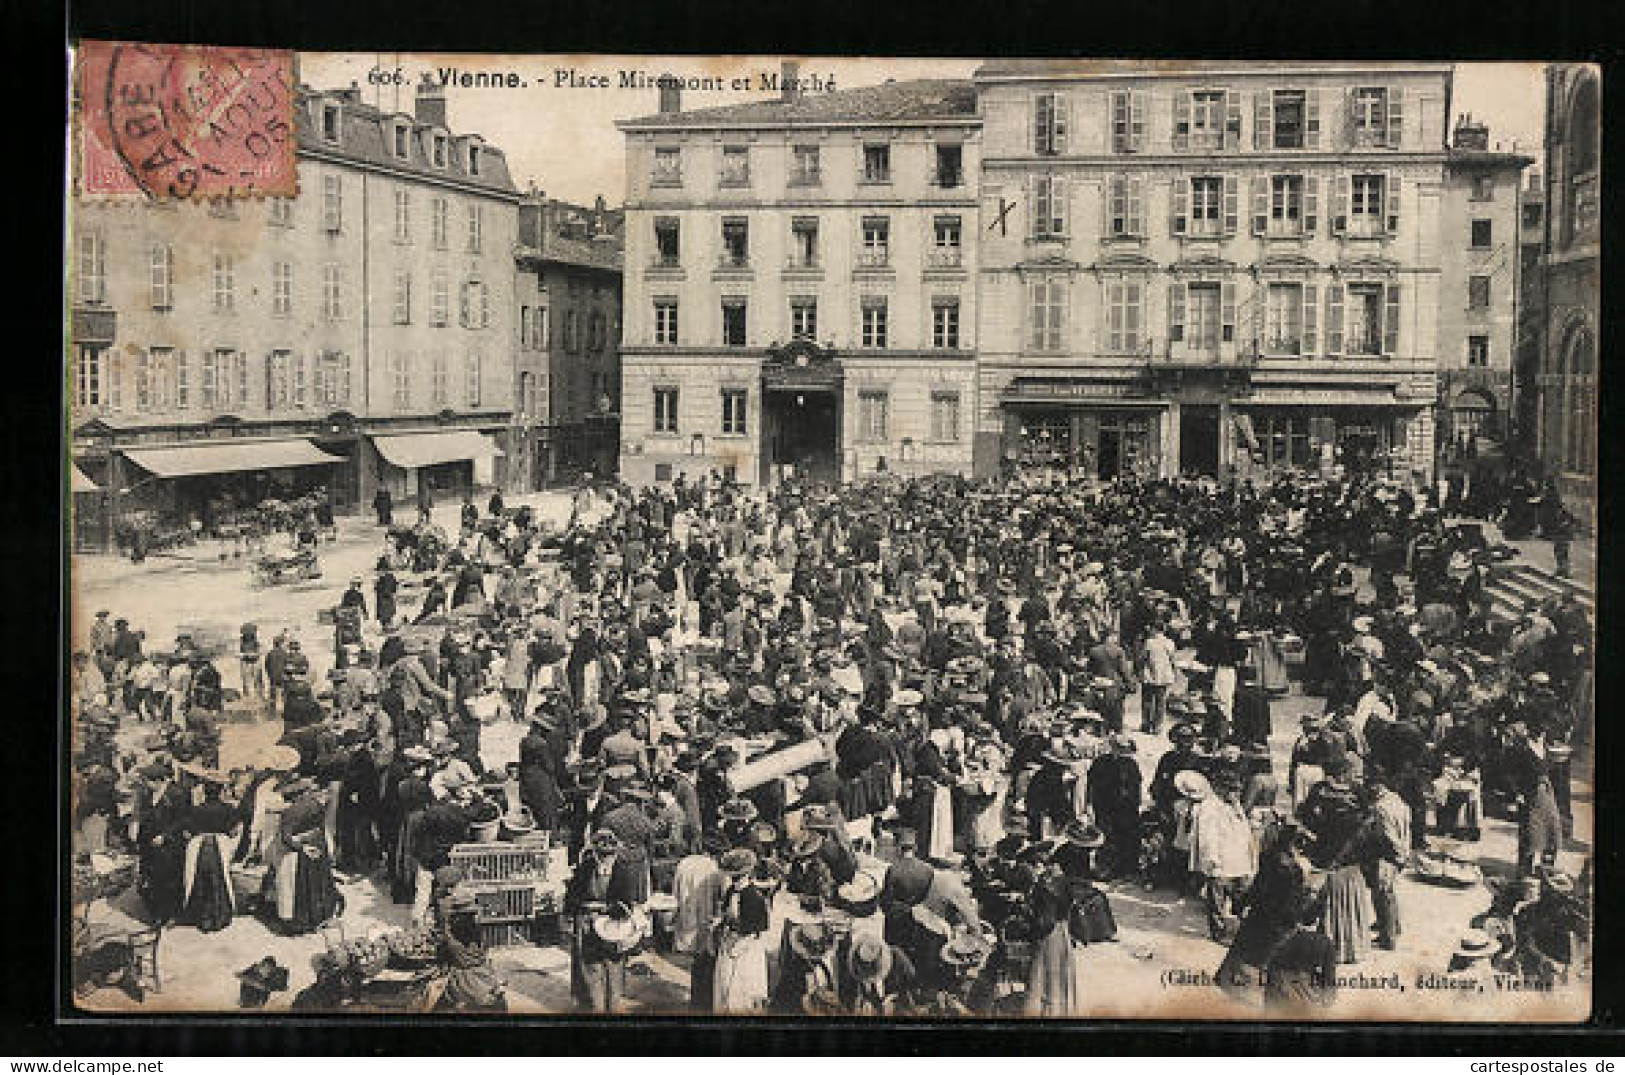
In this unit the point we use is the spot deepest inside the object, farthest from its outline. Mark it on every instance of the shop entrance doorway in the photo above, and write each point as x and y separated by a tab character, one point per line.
1199	440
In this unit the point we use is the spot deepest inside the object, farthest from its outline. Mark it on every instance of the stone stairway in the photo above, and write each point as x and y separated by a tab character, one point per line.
1518	588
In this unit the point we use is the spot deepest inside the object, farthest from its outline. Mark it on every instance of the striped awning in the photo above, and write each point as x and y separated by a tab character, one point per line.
192	459
411	450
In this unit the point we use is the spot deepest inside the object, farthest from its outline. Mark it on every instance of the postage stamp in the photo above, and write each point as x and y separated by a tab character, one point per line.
186	121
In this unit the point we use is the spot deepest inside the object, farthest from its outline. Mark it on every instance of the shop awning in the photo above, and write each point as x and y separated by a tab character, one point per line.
426	449
230	458
79	481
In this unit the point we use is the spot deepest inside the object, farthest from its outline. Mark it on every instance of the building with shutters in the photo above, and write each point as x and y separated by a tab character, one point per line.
801	285
1479	290
1565	384
1209	268
360	334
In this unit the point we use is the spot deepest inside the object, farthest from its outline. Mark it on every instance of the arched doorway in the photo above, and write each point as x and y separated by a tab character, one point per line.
1577	390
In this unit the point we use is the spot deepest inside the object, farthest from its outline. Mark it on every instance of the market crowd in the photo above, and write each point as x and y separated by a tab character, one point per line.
887	748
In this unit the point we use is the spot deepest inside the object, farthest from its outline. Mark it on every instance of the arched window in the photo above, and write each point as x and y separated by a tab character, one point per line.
1581	158
1578	390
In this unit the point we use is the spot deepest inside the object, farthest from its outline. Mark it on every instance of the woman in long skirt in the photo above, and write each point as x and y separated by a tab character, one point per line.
208	900
1349	913
739	984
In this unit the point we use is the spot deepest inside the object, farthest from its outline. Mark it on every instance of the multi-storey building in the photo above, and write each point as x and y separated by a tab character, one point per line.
1531	313
569	295
361	333
801	285
1480	274
1566	385
1211	267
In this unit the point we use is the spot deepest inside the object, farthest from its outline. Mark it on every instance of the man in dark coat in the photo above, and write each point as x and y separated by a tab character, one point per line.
1113	791
384	505
540	765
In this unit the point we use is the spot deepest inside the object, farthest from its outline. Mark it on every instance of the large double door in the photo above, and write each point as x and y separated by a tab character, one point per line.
801	435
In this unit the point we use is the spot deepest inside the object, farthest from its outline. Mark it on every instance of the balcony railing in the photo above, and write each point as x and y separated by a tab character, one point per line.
1205	354
944	257
874	258
811	178
731	260
947	179
804	262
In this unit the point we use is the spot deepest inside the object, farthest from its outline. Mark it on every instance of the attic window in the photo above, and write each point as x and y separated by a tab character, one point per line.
439	151
473	160
400	140
330	122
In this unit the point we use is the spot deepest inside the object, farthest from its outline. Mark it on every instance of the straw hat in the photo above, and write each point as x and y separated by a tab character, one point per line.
965	952
811	940
738	863
1192	784
869	959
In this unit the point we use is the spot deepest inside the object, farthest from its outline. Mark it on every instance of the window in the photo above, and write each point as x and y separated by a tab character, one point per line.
281	288
1283	320
1203	324
1286	207
403	215
1049	124
225	283
160	375
1366	204
278	384
734	404
877	164
1478	351
1282	439
597	336
1482	232
945	417
1049	207
476	311
668	167
332	378
735	166
666	321
400	379
163	277
1207	205
440	379
437	221
804	319
330	122
945	324
332	293
225	378
1483	188
876	252
873	321
474	230
439	151
665	410
872	408
733	322
182	381
1125	207
1478	292
525	342
332	203
1128	121
1048	307
1124	316
473	160
539	331
439	298
950	171
735	242
401	139
804	243
471	377
296	365
92	267
143	382
403	298
1371	115
668	242
804	170
1207	119
87	371
1288	119
1364	324
281	212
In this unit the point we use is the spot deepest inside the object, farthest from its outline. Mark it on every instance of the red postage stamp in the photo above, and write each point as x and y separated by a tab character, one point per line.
186	121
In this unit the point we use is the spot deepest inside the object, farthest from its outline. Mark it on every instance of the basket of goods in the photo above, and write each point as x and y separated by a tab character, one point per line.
1447	869
410	949
485	822
366	955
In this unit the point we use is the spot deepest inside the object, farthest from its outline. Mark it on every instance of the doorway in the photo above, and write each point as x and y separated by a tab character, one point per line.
1199	440
803	433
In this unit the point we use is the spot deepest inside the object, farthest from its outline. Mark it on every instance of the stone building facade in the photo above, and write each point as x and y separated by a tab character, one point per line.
357	335
1209	268
801	285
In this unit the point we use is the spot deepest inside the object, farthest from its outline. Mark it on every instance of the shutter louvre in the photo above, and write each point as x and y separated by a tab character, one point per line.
1311	204
1390	322
1351	114
1136	120
1182	121
1042	112
1263	120
1227	313
1340	206
1108	205
1261	204
1179	205
1334	319
1311	123
1311	310
1176	312
1390	191
1136	205
1232	204
1063	124
1396	116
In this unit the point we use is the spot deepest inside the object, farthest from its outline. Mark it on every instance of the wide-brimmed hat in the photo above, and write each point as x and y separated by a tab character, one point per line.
907	881
908	698
1083	834
1192	784
620	927
965	951
869	959
738	863
811	940
761	694
739	811
863	889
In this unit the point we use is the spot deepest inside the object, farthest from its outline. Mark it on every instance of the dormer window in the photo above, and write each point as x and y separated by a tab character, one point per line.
330	121
402	140
473	160
439	151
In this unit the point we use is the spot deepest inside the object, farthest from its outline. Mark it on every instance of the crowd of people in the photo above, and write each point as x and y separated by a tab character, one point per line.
887	748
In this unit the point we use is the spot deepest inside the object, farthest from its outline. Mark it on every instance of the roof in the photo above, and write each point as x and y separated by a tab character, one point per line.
891	102
1485	158
544	234
1080	67
604	253
364	139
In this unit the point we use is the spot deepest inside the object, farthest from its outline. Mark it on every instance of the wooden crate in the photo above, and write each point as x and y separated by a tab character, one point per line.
502	862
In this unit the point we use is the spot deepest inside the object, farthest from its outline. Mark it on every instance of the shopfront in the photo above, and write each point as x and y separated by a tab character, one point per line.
451	463
1051	428
202	486
1360	439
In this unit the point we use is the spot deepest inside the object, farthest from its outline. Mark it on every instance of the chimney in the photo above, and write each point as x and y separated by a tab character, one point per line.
789	81
598	216
1470	135
431	102
671	95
